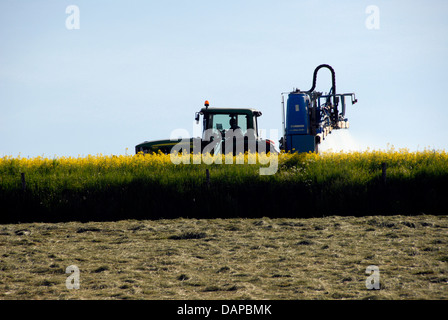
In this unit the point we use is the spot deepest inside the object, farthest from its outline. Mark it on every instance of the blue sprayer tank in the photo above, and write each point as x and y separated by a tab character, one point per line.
299	137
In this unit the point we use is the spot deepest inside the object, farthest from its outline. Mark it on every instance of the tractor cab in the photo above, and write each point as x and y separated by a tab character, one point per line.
226	121
235	126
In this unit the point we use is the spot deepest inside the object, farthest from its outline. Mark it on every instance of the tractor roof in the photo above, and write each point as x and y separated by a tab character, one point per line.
231	110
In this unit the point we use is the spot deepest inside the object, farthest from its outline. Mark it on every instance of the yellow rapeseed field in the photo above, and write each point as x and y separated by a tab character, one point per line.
392	157
163	184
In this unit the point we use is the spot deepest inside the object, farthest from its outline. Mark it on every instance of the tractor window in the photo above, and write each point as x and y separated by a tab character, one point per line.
229	121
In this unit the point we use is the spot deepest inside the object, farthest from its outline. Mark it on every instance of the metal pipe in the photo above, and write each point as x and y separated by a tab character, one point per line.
333	80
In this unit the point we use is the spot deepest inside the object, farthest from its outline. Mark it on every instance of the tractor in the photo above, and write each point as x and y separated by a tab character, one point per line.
309	117
225	130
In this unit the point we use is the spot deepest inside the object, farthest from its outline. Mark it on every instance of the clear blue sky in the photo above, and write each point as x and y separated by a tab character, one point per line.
136	70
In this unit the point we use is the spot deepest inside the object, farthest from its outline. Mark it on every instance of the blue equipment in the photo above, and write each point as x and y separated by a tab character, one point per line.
311	116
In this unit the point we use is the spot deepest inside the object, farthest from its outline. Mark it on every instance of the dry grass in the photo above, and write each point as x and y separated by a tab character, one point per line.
318	258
